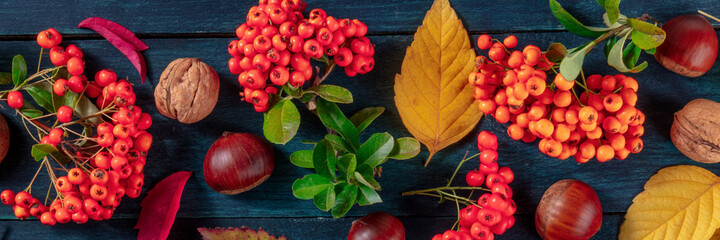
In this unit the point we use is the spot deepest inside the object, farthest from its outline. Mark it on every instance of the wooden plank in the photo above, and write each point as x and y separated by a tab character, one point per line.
392	16
183	147
292	228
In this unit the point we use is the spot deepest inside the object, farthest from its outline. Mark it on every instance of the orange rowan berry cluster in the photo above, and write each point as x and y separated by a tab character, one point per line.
108	166
513	86
277	43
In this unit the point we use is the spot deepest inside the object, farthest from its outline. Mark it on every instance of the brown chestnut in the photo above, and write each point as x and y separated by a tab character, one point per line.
569	209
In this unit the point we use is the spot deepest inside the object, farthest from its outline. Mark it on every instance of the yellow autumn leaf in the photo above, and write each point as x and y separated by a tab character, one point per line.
679	202
431	93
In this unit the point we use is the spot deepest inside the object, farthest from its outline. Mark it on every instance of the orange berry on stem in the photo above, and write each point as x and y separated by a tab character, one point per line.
510	41
562	83
611	124
544	127
605	153
617	141
535	86
502	114
563	98
612	102
587	115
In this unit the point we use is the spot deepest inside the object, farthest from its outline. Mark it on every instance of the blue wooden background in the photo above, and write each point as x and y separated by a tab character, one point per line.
202	29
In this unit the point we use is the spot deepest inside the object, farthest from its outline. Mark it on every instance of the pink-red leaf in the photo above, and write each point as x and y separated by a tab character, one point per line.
233	233
160	206
122	39
96	23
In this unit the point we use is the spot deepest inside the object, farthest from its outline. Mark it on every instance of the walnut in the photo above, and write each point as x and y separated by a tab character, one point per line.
696	131
4	138
187	91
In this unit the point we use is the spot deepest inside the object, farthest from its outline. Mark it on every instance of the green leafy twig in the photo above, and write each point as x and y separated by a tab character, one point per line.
643	35
345	168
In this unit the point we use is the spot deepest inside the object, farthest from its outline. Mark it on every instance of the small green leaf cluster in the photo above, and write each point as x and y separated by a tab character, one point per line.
345	168
283	119
619	28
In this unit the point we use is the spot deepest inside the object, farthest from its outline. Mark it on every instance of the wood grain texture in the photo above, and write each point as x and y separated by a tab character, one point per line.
292	228
271	206
389	16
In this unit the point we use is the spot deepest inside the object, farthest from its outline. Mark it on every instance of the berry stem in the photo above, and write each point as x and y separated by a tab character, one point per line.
460	165
29	187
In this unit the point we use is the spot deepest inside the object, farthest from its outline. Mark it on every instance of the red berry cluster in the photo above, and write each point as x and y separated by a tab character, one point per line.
494	211
277	43
601	122
95	187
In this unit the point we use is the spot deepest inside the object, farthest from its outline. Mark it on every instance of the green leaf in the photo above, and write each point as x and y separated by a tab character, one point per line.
306	97
307	187
6	78
368	174
31	113
367	196
19	69
650	51
618	22
612	8
333	93
325	199
345	200
366	170
609	43
338	142
302	158
60	157
310	142
370	182
556	52
293	92
571	65
324	159
376	149
42	97
615	58
572	24
644	27
40	151
631	54
281	122
647	41
331	116
347	164
405	148
364	117
87	132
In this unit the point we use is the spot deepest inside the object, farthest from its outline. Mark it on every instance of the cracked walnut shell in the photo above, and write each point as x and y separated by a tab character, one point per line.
696	131
187	90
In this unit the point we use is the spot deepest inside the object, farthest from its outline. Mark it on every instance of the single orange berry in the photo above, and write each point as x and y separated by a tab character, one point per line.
617	141
563	98
562	133
562	83
510	41
587	115
544	127
612	102
535	86
611	124
605	153
515	131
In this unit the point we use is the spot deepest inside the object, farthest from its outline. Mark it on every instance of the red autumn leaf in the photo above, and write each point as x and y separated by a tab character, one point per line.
233	233
160	206
122	39
95	23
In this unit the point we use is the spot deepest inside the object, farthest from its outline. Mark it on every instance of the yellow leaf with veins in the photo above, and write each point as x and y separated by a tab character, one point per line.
431	92
679	202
